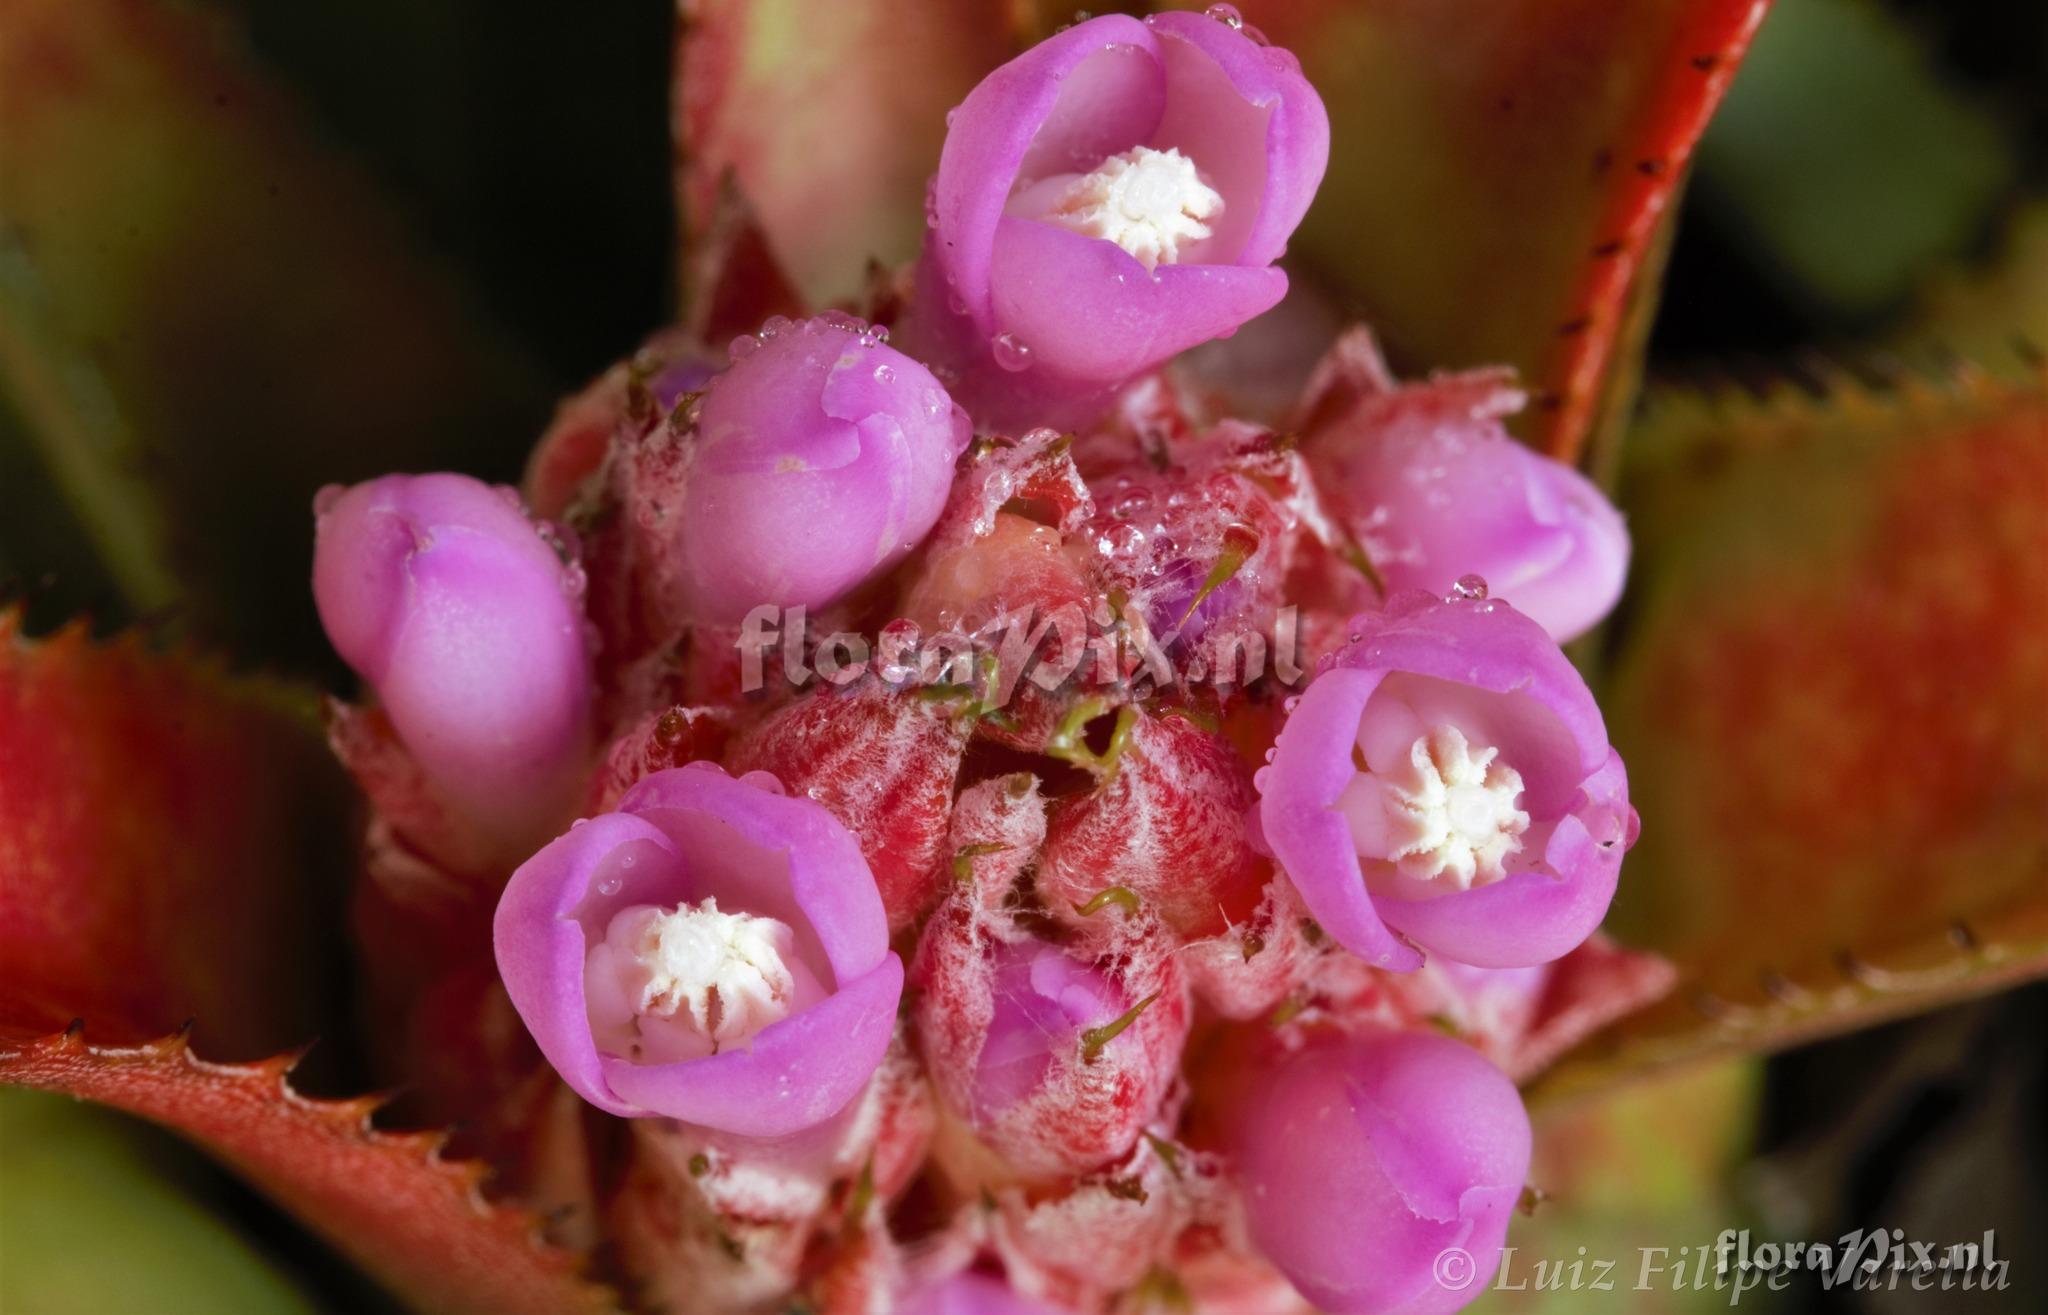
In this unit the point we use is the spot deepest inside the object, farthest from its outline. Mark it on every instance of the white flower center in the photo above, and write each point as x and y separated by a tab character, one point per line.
1447	810
682	983
1147	202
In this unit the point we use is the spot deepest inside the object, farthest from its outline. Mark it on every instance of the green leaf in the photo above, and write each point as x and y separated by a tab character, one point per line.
93	1224
1829	698
204	317
1847	161
1643	1167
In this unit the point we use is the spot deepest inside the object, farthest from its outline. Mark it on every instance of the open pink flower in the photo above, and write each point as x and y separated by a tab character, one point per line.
1380	1172
1447	777
451	603
1107	199
817	461
714	951
1432	486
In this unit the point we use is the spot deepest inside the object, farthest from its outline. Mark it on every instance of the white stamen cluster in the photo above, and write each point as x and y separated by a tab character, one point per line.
696	979
1450	810
1148	202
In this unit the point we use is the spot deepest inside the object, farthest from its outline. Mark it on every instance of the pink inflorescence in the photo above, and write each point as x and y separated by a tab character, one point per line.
989	993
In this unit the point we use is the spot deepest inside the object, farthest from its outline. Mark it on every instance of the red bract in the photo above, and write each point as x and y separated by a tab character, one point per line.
1161	834
883	763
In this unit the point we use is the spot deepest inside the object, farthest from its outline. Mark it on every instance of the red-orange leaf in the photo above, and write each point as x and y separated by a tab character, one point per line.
1498	172
172	841
1830	700
416	1221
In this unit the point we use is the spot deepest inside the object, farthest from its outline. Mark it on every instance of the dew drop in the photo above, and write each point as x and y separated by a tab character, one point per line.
885	374
1011	352
743	346
1468	588
610	886
1269	755
1292	702
1226	15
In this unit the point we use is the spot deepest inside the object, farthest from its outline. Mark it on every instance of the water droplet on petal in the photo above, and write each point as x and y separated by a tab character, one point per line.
884	374
610	885
1011	353
1468	588
1226	15
743	346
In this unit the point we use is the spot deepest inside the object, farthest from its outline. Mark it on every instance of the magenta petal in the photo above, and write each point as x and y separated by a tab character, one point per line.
540	947
1310	838
818	460
1499	672
827	880
1296	149
1434	489
1364	1159
992	131
684	835
1034	324
1086	308
446	598
796	1074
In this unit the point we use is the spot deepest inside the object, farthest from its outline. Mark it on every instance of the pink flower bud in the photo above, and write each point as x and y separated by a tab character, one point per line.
1447	779
1164	834
817	461
715	952
1380	1172
447	599
1432	487
1111	197
1056	1062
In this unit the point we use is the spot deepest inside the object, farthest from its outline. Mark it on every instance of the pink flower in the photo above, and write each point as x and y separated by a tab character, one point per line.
1447	778
714	952
1111	197
1433	488
463	615
1380	1172
817	461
